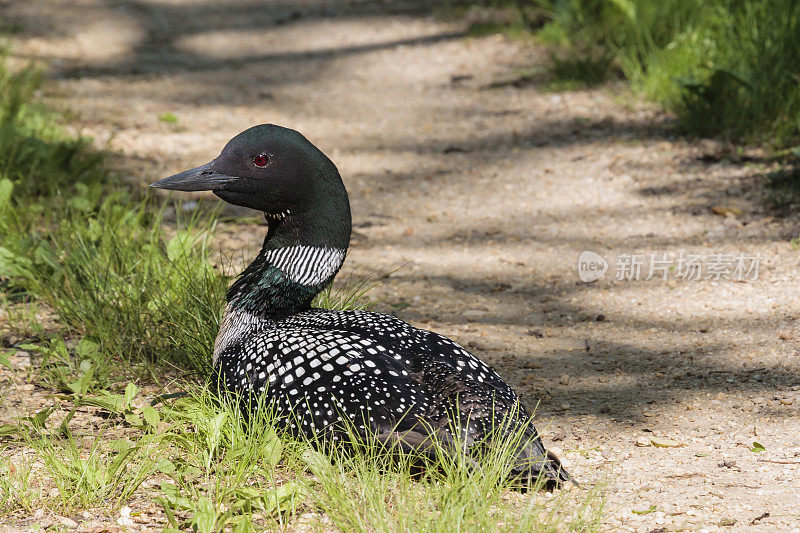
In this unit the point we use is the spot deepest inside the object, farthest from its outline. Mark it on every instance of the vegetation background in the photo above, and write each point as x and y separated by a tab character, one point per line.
726	68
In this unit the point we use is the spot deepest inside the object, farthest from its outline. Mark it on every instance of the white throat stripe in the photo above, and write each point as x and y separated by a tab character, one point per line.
307	265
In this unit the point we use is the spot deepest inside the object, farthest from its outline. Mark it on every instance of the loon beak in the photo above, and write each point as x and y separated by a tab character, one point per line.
202	178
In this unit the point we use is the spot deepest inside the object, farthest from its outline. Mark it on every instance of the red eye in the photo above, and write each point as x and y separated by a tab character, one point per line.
260	160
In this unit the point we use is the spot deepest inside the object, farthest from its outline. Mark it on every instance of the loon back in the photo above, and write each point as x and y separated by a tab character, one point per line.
328	371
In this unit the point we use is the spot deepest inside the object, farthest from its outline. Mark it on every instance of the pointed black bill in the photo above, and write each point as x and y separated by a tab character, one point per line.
202	178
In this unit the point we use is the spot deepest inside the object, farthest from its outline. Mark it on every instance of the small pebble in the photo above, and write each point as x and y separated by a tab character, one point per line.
478	345
474	314
68	522
125	517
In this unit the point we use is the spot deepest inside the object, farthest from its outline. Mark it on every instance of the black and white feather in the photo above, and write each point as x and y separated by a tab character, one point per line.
382	377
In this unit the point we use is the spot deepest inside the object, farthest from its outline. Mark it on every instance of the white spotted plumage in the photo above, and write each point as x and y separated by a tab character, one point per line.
363	362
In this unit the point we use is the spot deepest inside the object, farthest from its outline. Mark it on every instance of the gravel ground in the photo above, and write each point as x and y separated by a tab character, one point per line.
478	193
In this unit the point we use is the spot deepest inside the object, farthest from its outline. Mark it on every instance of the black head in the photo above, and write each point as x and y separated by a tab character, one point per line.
268	168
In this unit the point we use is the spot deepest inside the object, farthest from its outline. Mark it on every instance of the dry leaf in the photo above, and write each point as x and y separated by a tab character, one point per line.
660	442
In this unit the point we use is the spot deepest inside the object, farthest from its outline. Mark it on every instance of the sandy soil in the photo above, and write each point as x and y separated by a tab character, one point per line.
485	192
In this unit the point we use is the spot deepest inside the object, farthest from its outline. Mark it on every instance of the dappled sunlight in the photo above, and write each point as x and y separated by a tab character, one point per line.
474	189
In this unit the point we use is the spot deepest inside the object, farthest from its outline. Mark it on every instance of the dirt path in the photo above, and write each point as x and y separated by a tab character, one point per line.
488	193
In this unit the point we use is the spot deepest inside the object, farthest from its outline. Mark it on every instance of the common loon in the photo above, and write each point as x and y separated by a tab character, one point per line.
325	371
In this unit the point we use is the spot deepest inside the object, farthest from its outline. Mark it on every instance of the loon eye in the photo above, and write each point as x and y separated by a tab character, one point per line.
261	160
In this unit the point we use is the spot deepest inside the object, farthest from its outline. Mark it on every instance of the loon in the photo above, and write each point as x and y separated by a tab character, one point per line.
324	370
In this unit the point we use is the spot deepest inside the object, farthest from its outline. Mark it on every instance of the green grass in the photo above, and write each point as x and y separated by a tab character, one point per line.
35	153
99	257
99	474
207	468
168	118
751	89
782	190
112	274
727	68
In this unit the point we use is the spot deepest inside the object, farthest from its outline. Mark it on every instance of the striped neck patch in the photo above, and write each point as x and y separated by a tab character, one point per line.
306	265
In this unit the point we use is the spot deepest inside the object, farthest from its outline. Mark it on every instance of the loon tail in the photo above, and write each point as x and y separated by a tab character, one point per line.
533	463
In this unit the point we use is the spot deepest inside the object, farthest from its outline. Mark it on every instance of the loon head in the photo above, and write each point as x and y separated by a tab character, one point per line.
278	171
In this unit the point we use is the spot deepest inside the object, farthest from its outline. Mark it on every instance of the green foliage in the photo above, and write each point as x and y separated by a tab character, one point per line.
92	471
223	467
213	469
353	294
244	466
75	371
750	88
35	154
111	273
728	68
86	478
98	257
18	486
168	118
586	68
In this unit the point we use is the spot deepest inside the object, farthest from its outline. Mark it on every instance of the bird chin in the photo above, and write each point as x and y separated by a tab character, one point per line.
242	199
